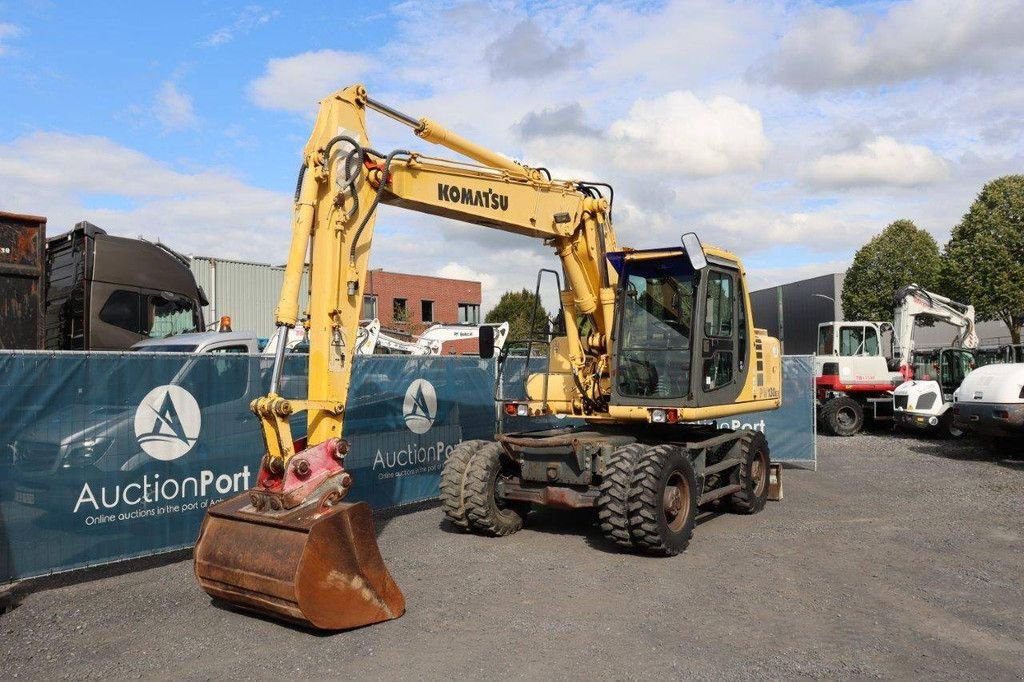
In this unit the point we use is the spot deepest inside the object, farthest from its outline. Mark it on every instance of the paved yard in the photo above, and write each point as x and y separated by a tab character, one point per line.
898	557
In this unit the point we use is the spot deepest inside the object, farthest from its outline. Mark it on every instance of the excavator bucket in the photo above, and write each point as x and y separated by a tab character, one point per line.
312	565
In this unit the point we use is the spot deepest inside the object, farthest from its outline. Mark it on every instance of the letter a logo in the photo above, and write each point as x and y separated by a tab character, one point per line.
420	406
167	422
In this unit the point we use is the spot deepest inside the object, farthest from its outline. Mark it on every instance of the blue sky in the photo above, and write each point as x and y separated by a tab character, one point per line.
788	132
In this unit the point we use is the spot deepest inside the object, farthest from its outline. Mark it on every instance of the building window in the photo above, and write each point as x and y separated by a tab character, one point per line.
469	313
427	311
400	311
369	307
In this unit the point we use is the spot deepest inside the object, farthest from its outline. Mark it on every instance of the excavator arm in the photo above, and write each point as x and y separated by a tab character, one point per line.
914	304
291	546
341	183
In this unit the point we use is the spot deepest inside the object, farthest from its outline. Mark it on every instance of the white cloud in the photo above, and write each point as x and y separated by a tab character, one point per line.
206	212
173	108
762	278
749	229
678	132
298	83
8	32
488	281
835	48
249	18
879	161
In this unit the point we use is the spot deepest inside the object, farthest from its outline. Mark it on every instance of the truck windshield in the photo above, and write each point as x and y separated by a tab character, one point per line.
171	317
654	359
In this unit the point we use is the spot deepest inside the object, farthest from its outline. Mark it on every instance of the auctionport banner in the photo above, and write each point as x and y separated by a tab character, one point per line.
106	456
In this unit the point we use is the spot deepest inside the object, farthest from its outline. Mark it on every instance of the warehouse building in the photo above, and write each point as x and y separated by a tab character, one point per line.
792	312
406	304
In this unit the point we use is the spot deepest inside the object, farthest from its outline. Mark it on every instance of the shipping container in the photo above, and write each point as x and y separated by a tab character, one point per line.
22	280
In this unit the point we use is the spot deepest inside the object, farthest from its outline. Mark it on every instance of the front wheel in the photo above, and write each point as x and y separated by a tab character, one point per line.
453	482
663	501
487	514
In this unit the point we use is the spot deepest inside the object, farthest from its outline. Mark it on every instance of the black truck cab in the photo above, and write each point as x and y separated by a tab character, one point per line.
106	292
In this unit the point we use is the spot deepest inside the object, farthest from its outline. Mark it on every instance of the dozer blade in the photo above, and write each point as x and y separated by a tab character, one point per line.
315	567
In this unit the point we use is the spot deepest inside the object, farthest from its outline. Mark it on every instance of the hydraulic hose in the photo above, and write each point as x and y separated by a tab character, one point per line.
376	201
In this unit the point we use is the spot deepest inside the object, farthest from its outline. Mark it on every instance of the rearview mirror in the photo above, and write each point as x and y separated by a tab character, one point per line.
694	251
486	342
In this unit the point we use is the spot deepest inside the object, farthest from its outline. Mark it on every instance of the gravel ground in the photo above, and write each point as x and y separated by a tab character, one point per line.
897	558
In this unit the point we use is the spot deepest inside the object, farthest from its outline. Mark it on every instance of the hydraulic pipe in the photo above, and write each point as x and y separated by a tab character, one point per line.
275	376
431	131
287	313
395	114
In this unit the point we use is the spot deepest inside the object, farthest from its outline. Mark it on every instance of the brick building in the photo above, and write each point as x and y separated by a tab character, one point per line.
411	303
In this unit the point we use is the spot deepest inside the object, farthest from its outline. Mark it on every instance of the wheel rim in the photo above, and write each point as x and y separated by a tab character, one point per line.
759	473
846	416
676	501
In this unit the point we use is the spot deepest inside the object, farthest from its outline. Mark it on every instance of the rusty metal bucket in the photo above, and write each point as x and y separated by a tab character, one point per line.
313	565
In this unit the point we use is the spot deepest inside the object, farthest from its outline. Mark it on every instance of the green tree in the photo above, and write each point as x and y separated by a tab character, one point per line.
902	254
515	307
983	263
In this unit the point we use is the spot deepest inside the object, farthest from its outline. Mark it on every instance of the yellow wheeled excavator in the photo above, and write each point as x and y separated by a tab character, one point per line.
653	346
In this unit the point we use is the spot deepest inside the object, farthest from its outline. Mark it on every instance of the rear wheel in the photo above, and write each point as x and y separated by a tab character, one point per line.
752	474
613	497
487	514
842	416
453	482
663	501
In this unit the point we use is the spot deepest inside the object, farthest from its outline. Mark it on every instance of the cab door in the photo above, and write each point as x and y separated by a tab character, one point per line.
723	345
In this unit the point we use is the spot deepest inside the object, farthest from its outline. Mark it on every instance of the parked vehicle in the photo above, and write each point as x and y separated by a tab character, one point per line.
990	403
88	290
924	401
853	379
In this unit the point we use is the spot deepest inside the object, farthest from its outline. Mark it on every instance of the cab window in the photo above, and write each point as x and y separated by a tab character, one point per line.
123	309
870	341
825	340
850	341
719	329
655	329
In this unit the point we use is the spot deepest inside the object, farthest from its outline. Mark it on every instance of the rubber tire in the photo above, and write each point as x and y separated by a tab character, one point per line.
613	494
749	500
647	521
453	482
830	416
946	427
485	515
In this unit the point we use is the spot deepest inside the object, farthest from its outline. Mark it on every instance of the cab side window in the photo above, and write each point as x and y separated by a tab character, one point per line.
719	331
123	309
